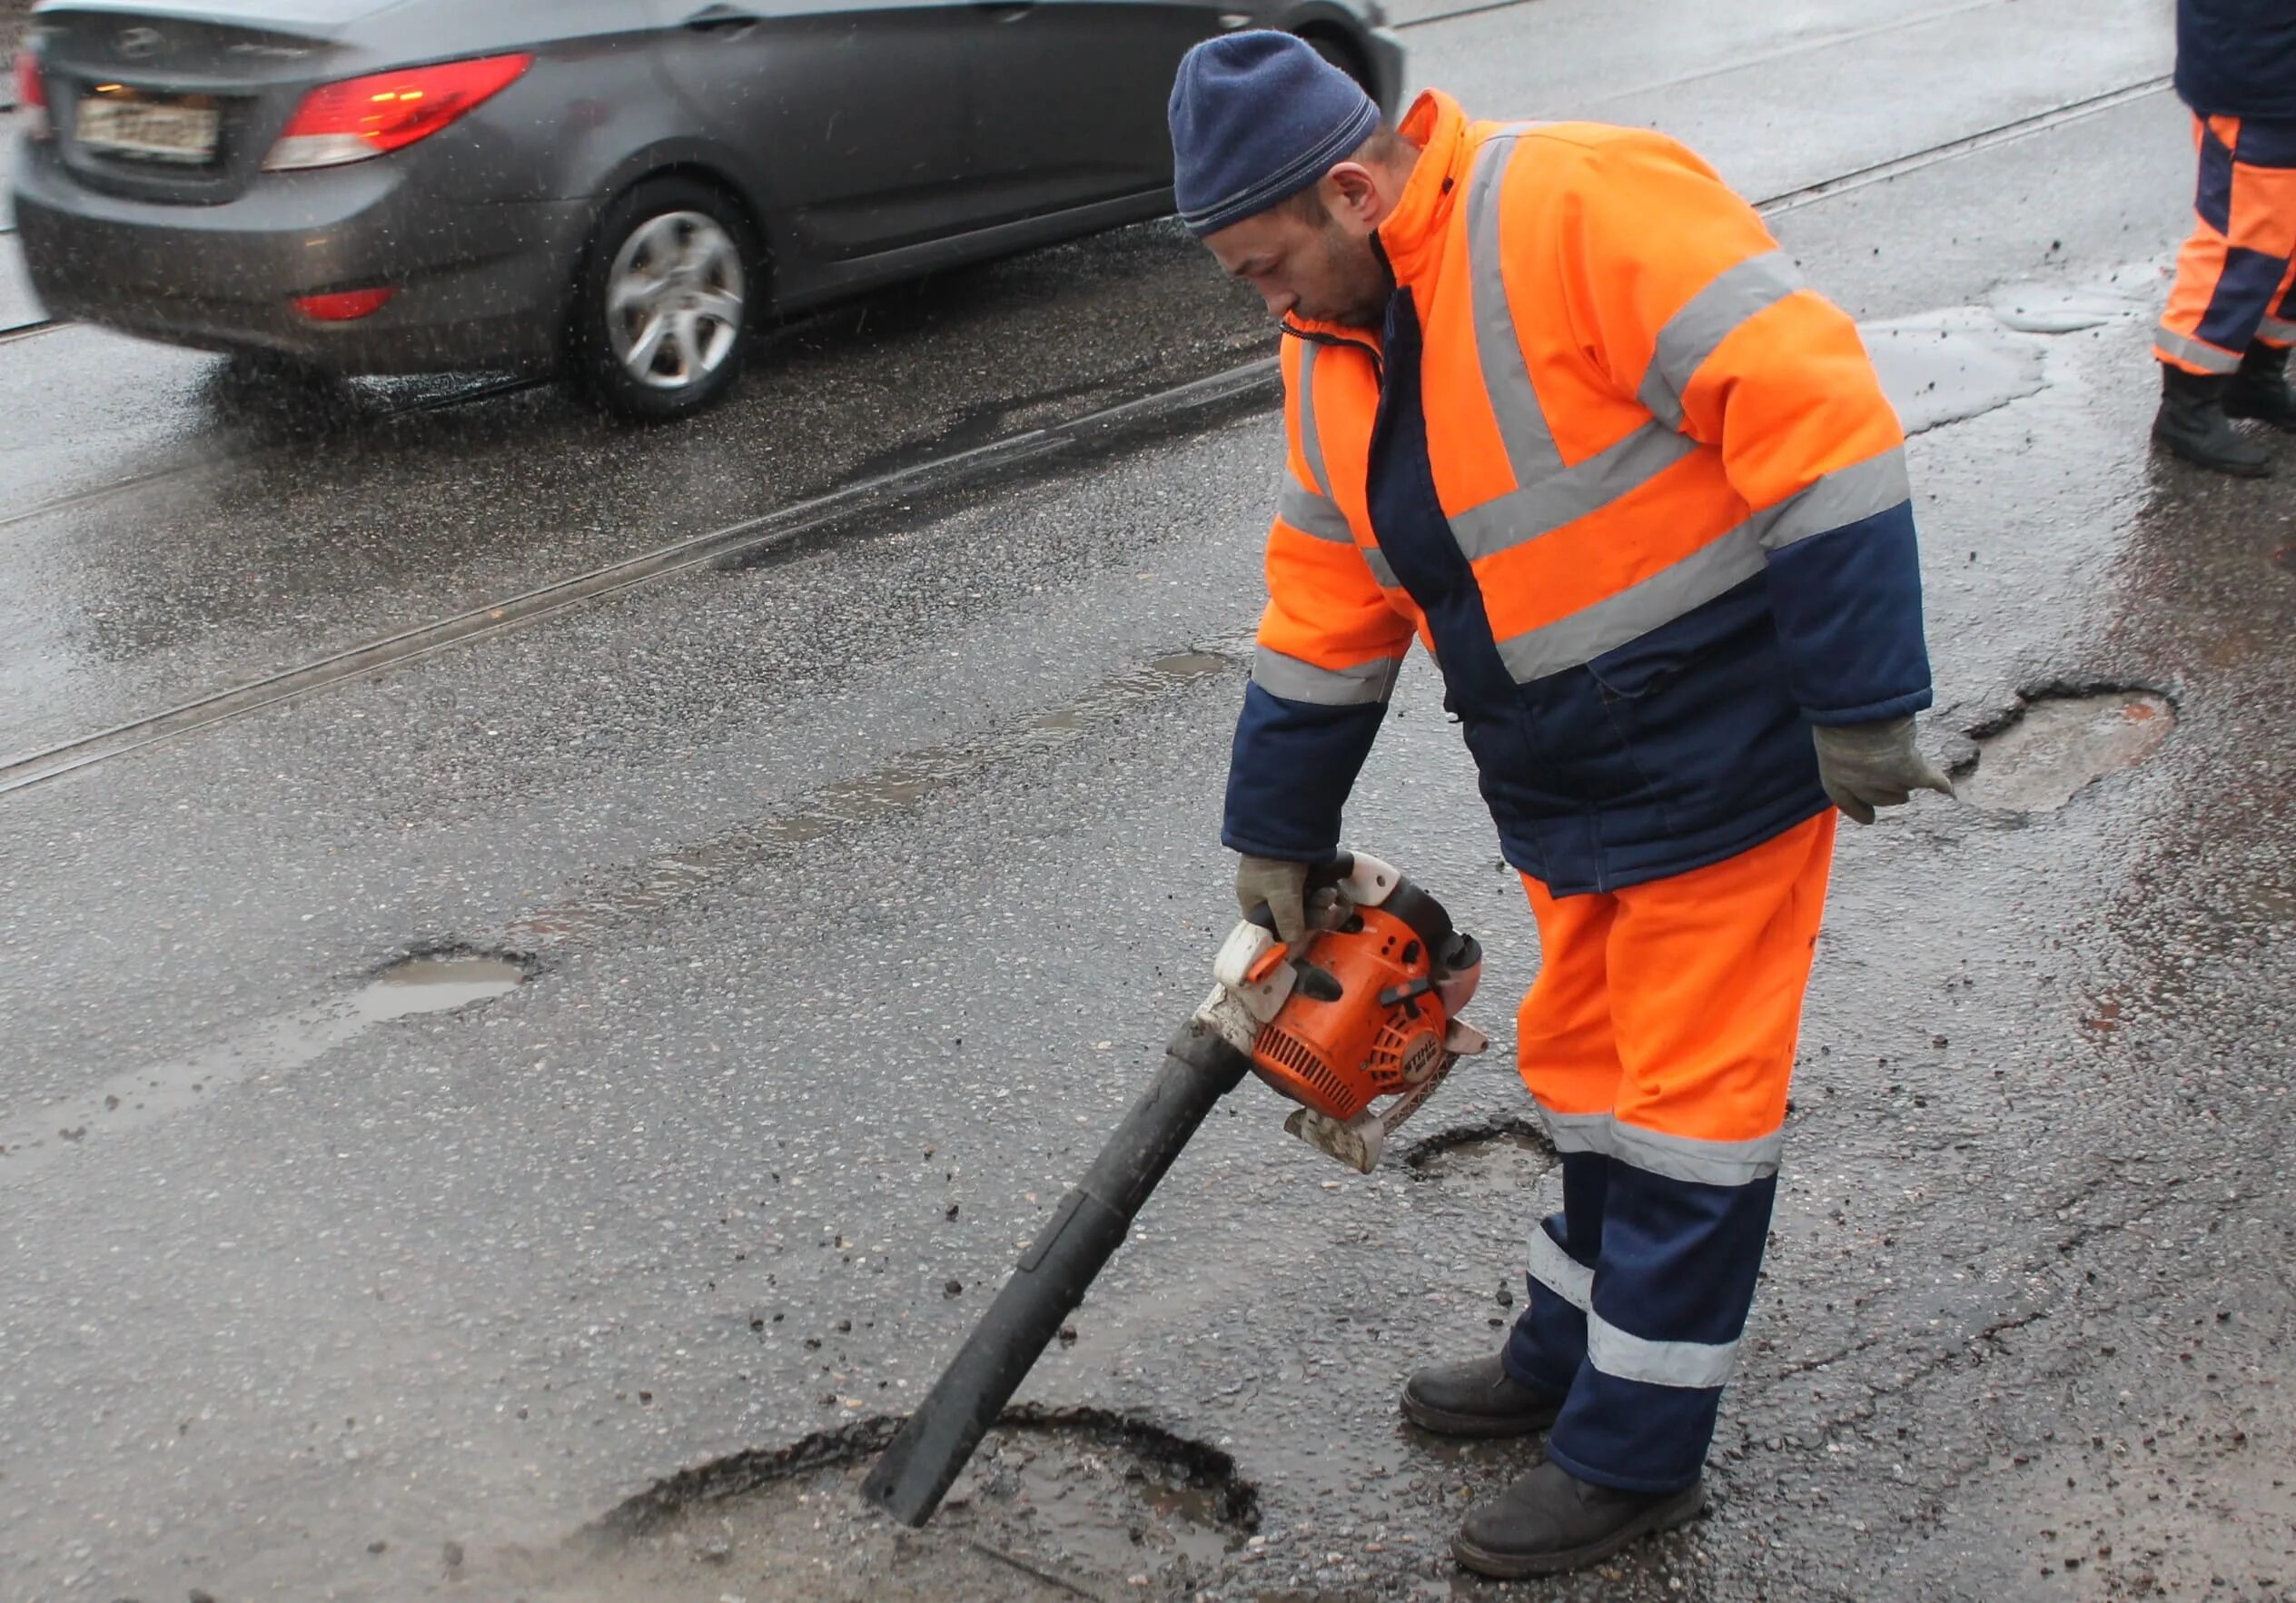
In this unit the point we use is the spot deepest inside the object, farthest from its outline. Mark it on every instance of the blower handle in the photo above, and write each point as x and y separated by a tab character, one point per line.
931	1448
1321	876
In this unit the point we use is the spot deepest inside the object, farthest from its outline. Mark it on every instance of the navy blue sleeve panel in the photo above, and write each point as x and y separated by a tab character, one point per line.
1848	608
1294	765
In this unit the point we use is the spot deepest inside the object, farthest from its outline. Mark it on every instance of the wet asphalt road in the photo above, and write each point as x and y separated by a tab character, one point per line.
866	875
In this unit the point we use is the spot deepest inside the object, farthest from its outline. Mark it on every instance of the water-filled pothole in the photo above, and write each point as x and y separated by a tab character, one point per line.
1053	1506
437	982
1948	367
2069	309
2058	741
263	1049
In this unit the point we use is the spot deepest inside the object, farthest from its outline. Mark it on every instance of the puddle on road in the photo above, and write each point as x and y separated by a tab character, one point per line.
2057	743
2068	309
1078	1507
436	984
428	983
892	789
1947	367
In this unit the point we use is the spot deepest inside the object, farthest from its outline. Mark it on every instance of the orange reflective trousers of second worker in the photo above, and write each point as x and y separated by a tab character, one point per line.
2236	277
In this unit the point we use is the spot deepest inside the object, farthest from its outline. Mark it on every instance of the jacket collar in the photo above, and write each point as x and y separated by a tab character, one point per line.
1413	233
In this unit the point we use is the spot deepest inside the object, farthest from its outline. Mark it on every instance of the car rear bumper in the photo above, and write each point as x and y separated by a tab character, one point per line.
475	286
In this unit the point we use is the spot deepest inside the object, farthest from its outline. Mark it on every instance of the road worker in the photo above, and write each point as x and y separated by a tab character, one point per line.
1557	405
2231	314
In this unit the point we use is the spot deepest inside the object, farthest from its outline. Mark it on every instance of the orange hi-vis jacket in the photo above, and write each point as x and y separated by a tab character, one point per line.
1635	486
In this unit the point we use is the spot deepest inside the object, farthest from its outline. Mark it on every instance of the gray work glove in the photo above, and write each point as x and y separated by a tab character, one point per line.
1868	765
1282	886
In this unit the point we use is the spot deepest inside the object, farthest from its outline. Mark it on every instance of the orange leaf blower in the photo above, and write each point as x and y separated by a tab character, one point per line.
1365	1005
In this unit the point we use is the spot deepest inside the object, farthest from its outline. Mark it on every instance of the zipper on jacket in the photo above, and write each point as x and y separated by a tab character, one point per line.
1341	342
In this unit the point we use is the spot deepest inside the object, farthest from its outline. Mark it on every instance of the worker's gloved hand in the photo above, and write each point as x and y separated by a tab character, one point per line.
1282	886
1868	765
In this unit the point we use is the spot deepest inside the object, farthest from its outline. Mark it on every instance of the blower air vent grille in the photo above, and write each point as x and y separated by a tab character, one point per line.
1287	1055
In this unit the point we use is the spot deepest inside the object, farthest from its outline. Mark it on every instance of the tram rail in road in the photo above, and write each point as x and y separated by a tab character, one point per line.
828	518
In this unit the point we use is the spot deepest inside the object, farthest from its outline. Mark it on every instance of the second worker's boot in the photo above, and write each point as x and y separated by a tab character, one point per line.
1551	1521
2260	389
1477	1398
2192	423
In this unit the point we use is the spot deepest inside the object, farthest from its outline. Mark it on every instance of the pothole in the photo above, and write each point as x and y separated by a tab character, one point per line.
2068	309
262	1049
1948	367
1510	1154
1076	1504
437	982
2058	741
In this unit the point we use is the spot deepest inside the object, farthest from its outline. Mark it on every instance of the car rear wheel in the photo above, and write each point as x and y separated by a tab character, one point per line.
1343	55
664	312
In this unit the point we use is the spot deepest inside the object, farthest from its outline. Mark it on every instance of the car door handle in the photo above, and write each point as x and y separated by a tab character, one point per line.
728	21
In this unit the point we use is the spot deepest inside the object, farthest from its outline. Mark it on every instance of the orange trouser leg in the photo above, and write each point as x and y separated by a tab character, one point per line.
1564	1043
1709	970
2234	273
1660	1045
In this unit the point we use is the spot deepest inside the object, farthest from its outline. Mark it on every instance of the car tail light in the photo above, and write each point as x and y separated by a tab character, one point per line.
344	306
31	94
363	117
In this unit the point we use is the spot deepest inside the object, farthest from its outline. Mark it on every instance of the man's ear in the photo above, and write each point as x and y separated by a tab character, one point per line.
1354	196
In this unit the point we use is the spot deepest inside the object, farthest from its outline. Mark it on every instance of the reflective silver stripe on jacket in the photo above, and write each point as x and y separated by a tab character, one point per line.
1579	638
1705	321
1842	498
2277	328
1310	513
2184	348
1550	495
1559	1273
1698	1365
1380	570
1310	442
1366	684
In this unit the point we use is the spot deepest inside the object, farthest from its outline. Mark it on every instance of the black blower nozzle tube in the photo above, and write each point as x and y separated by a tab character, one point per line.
925	1458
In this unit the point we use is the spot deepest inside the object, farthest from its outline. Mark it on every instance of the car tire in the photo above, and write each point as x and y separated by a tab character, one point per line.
665	301
1343	55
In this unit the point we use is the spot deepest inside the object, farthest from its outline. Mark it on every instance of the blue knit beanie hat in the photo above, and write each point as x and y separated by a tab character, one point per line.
1257	117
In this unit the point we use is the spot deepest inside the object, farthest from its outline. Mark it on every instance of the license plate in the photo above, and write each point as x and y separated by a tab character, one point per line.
149	130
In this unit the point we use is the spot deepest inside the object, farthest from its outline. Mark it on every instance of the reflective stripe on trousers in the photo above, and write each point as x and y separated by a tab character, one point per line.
1659	1043
2236	275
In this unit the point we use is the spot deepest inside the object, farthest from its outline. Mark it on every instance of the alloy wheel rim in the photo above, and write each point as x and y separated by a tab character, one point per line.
674	300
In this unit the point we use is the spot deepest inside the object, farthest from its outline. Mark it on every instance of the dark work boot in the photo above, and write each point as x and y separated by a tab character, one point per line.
2260	389
1550	1521
2192	423
1477	1398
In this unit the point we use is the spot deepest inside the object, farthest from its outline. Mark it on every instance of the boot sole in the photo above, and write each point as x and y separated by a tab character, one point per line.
1443	1422
1676	1510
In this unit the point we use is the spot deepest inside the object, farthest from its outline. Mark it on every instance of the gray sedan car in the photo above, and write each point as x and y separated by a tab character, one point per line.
623	189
